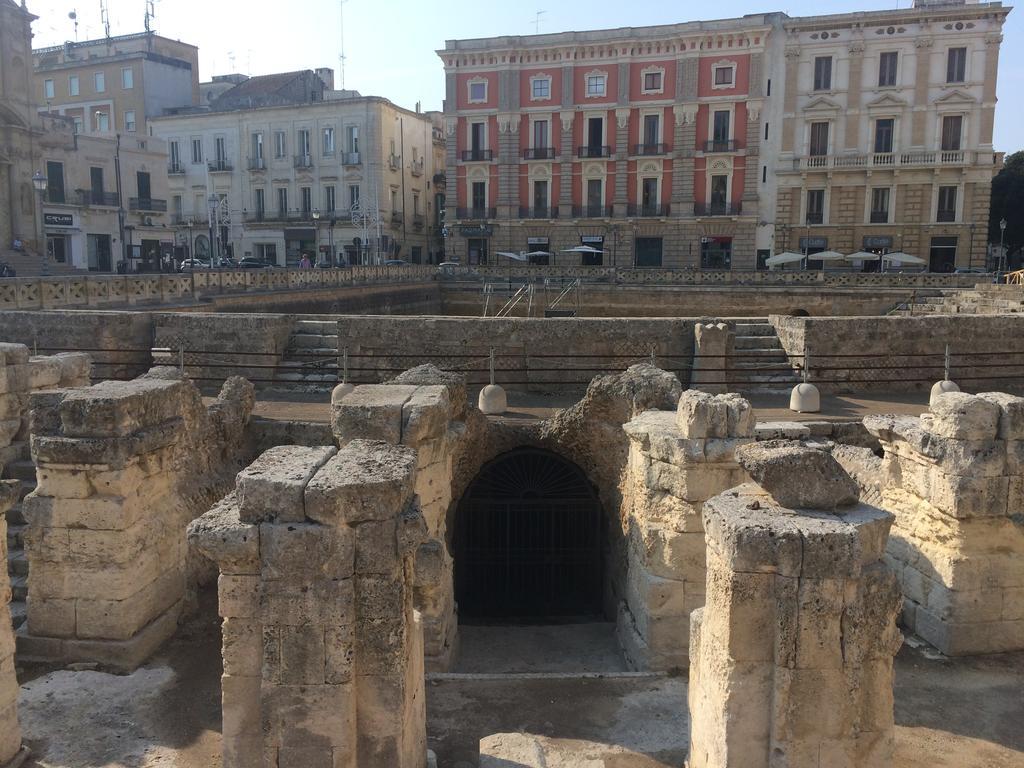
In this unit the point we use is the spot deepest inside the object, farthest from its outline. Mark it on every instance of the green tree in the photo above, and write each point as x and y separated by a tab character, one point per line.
1008	203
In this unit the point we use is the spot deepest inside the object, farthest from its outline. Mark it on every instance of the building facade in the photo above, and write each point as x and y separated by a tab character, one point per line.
105	197
715	144
115	84
352	178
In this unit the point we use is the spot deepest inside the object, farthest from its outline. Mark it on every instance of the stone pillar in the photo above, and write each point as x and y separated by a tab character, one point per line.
854	96
424	409
567	152
790	99
712	351
677	460
323	654
10	732
791	657
955	481
919	119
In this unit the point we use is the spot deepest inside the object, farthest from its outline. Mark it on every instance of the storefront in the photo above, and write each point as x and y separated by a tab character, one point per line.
60	231
539	249
298	242
477	242
810	246
716	253
878	245
597	243
942	254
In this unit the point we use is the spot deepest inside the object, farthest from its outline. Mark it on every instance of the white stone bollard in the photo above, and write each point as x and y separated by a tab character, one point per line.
493	401
805	399
941	388
340	392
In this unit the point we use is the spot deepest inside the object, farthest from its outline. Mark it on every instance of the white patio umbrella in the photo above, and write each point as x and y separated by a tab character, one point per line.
582	249
826	256
540	253
787	257
900	258
863	256
521	256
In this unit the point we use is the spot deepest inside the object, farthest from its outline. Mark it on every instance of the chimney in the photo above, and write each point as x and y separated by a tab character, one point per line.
326	74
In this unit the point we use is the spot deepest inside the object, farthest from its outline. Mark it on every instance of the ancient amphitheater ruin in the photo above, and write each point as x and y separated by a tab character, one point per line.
345	520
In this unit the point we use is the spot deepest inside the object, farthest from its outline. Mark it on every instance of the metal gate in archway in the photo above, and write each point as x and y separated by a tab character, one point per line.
528	541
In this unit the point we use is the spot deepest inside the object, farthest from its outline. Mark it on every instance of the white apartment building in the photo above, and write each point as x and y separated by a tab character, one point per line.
347	179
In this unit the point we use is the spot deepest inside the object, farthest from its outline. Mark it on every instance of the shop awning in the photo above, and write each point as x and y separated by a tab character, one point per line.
784	258
899	257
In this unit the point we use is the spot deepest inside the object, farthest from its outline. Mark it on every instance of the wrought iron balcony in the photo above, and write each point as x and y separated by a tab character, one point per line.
592	212
721	145
219	166
879	217
717	209
351	158
90	197
539	153
416	168
815	217
175	169
278	216
650	149
257	164
148	204
477	155
649	210
303	161
593	151
476	213
538	212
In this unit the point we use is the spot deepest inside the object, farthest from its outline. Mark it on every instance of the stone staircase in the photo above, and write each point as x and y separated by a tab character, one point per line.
980	300
26	264
760	365
311	357
24	471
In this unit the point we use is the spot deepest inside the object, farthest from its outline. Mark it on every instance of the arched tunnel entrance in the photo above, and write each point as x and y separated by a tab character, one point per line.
528	542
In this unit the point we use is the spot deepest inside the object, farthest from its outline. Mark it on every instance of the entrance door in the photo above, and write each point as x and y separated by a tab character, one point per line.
942	257
57	249
142	179
528	542
477	247
99	253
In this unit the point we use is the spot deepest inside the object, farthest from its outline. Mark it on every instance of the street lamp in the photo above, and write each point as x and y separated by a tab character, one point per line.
189	222
39	181
212	201
316	238
1002	246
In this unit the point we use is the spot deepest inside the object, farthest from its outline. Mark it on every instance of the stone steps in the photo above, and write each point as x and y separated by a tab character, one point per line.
757	357
311	355
24	471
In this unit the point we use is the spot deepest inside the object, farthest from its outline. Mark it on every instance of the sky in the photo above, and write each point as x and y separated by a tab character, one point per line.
390	44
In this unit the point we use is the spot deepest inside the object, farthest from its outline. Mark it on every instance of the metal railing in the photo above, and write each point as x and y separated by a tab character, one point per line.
303	161
219	166
648	150
650	210
148	204
89	197
592	212
175	169
717	209
476	213
477	155
538	212
257	164
593	151
721	145
539	153
351	158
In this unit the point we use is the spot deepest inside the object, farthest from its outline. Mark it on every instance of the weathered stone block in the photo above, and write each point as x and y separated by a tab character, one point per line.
120	408
962	416
371	412
273	487
44	372
701	415
223	537
425	414
366	480
1011	417
238	595
297	715
301	552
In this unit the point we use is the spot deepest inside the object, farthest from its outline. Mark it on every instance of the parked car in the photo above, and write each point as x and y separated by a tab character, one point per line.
970	271
396	263
251	262
448	267
227	263
190	264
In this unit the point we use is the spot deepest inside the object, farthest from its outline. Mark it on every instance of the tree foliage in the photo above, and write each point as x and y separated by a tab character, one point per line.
1008	202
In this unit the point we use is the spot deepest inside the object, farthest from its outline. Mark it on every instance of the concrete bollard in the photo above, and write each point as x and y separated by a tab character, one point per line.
941	388
340	392
493	400
805	399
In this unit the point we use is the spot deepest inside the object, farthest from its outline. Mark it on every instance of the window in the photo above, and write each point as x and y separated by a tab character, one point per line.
956	65
328	141
652	82
540	134
764	174
54	182
47	89
815	206
947	204
648	251
719	194
143	184
725	76
303	142
823	73
884	135
174	151
282	201
176	205
127	79
819	140
394	201
887	64
479	197
280	144
102	121
129	120
596	85
267	252
649	197
477	91
353	195
652	132
100	81
720	130
595	197
220	151
477	137
952	133
880	205
306	195
716	253
541	88
79	125
257	149
260	202
197	151
329	199
766	131
415	204
73	85
352	138
540	197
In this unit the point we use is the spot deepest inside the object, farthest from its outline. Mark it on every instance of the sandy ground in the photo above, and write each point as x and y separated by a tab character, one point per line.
965	713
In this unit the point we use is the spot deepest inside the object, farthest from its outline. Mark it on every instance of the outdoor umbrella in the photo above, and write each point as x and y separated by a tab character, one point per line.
582	249
784	258
863	256
826	256
899	258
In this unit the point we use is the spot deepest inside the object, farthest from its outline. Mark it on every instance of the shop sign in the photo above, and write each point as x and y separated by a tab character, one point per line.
595	240
536	241
813	242
878	241
58	220
476	230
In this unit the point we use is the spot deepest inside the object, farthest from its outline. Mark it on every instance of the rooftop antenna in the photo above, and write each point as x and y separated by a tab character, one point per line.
105	18
341	56
150	13
73	15
536	22
231	58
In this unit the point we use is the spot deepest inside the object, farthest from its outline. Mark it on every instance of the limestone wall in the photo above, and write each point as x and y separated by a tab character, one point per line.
323	653
10	732
955	481
677	460
121	467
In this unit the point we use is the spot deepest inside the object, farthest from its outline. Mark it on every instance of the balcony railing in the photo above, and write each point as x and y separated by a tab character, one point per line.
477	155
89	197
183	219
650	149
396	217
593	151
884	160
416	168
56	197
592	212
539	153
440	179
394	162
815	217
717	209
351	158
418	220
945	216
219	166
276	216
879	217
257	164
175	169
721	145
303	161
648	210
476	213
148	204
538	212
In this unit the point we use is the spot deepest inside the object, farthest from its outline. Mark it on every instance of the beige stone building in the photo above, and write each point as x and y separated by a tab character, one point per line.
106	195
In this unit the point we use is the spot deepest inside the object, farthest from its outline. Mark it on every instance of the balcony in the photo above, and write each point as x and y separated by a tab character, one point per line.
946	216
175	169
879	217
416	168
270	217
303	161
219	166
90	197
593	151
923	159
650	150
539	153
195	221
477	155
418	220
56	197
592	212
440	179
538	212
351	158
720	145
815	217
396	217
394	162
476	213
648	211
717	209
147	204
257	164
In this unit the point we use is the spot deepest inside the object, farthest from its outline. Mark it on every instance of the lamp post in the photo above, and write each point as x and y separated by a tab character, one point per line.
188	255
1002	245
212	202
39	181
316	237
330	242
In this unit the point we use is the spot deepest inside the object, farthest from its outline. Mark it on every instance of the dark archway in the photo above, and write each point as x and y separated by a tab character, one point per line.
528	542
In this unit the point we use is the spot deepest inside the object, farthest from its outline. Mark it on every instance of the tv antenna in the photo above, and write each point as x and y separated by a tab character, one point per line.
73	15
150	13
105	18
342	56
536	21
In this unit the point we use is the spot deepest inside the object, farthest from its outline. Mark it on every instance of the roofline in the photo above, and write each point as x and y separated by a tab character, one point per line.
108	41
932	12
318	104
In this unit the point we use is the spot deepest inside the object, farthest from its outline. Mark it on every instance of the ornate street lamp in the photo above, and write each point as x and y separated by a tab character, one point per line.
40	182
1002	246
316	238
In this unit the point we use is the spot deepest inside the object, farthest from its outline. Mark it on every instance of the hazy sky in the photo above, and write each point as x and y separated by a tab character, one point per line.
390	44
